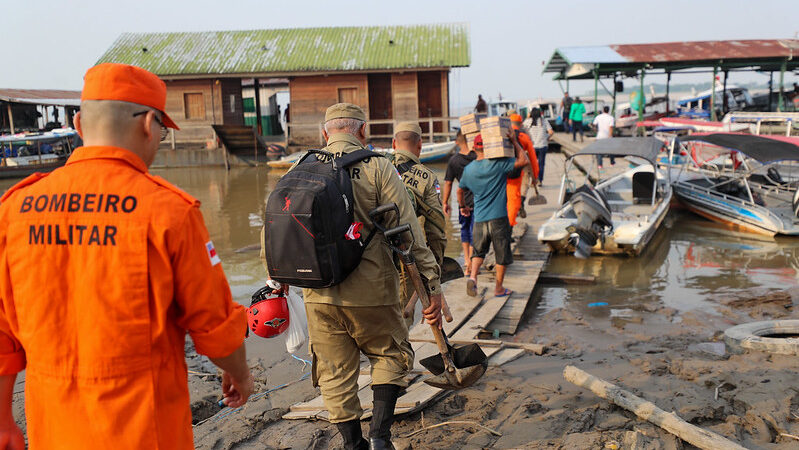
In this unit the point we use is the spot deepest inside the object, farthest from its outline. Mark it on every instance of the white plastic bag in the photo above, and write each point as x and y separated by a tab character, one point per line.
297	333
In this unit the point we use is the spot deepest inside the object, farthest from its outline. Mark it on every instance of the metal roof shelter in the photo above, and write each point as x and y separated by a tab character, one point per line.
283	52
26	100
628	60
49	97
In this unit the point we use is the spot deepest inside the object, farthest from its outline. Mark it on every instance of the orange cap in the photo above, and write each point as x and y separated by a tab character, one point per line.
515	118
121	82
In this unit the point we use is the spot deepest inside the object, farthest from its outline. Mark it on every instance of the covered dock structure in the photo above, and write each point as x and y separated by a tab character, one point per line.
392	72
637	60
36	109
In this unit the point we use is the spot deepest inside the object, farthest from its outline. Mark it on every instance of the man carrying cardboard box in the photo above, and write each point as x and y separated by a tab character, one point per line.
487	179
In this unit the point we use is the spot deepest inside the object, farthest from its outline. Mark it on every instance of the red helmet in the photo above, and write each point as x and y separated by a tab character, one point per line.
268	314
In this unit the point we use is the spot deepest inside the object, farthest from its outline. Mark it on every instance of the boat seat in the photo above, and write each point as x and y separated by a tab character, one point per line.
642	187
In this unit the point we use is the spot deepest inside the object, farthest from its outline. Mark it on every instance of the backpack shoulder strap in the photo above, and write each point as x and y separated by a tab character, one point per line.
356	156
404	167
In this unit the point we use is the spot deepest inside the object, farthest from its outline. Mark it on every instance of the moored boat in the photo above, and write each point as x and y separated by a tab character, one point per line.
735	179
616	215
25	153
430	153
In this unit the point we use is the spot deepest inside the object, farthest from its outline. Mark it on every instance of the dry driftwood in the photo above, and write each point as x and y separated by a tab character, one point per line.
649	411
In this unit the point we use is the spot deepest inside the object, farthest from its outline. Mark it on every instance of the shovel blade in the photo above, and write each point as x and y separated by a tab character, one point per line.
451	381
470	364
462	356
537	200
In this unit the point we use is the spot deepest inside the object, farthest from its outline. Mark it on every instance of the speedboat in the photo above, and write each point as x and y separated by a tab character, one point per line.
615	215
742	181
430	153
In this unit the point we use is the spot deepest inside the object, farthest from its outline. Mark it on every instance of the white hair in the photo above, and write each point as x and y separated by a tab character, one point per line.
346	125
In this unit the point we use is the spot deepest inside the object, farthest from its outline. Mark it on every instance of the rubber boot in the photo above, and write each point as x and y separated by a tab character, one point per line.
384	401
352	435
522	212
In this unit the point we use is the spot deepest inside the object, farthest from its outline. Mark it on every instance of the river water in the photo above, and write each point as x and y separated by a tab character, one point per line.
690	263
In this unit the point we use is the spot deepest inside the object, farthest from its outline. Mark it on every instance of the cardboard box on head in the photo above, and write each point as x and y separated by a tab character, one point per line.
497	147
495	141
470	123
494	126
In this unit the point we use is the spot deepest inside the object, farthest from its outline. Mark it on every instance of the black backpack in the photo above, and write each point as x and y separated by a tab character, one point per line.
307	220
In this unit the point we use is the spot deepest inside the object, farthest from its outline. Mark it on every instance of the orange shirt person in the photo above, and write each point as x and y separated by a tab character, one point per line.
104	268
514	187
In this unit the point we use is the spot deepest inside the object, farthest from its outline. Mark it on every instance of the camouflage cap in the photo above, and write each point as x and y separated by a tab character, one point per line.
411	126
344	111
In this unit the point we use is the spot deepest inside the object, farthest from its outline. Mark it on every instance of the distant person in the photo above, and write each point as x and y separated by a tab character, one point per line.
482	106
515	178
455	167
287	113
565	108
487	179
576	118
603	124
539	130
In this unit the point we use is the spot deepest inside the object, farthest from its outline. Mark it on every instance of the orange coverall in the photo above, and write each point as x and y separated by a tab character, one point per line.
103	270
514	187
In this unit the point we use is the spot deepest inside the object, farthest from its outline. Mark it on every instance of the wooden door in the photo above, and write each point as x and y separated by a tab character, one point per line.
430	99
348	95
380	102
194	106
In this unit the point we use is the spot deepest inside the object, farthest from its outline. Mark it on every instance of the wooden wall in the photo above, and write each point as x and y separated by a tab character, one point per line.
216	95
405	96
311	96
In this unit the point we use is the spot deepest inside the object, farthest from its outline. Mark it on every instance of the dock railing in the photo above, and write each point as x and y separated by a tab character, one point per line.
430	135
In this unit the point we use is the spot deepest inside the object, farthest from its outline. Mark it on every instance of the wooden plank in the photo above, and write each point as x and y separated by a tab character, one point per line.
416	397
481	318
504	356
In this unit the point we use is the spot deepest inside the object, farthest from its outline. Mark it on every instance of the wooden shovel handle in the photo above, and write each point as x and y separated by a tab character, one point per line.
416	279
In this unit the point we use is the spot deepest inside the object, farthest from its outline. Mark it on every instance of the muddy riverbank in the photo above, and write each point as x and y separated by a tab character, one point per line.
674	359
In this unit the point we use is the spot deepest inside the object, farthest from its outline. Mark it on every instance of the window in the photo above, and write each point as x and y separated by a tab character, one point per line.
232	103
194	106
348	95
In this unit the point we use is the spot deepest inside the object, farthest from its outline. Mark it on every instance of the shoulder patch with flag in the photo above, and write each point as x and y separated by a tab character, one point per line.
437	186
209	247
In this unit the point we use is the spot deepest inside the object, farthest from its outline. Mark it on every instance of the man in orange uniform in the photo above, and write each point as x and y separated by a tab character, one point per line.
103	270
514	189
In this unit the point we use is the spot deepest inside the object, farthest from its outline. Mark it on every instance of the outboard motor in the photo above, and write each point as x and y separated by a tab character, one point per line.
593	216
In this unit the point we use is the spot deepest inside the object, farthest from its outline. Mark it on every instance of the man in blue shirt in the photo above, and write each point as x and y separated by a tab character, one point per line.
487	180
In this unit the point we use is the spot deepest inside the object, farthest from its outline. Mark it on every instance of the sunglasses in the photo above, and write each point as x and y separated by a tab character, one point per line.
164	129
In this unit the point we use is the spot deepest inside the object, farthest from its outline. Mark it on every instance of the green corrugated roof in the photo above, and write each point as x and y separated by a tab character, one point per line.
294	49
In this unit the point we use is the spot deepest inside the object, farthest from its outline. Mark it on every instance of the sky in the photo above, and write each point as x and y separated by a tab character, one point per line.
49	44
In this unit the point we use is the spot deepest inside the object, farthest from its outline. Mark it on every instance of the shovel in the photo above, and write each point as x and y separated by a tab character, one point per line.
455	367
538	199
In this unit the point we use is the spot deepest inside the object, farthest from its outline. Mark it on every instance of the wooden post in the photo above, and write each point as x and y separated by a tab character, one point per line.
10	117
613	108
725	104
641	102
668	102
430	128
596	90
770	90
649	411
782	81
713	95
258	124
